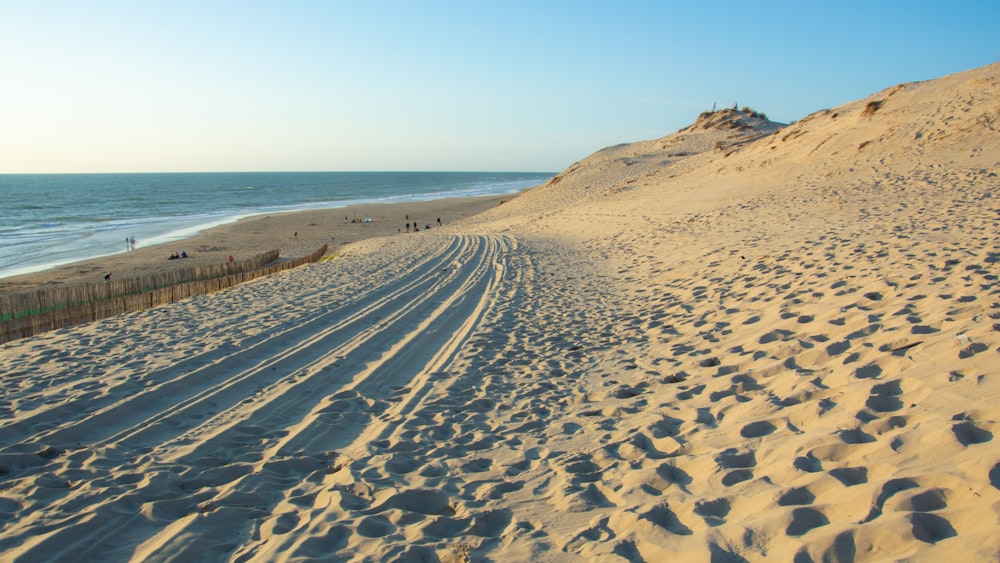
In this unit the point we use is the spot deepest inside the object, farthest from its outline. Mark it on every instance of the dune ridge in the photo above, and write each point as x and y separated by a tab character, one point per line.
740	342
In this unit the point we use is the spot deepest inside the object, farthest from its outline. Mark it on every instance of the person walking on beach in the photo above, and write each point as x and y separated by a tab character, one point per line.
133	243
127	247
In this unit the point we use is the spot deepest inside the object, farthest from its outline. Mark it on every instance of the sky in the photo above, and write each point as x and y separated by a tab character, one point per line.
502	85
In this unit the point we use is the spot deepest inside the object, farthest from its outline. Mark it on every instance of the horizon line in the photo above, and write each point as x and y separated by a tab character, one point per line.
285	172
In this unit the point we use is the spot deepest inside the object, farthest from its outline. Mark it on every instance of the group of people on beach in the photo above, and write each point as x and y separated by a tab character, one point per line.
416	227
176	256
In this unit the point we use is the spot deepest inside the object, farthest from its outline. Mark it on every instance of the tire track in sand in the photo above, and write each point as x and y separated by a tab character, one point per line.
154	476
188	385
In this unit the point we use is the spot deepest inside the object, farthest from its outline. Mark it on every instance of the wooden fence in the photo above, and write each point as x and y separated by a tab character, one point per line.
27	313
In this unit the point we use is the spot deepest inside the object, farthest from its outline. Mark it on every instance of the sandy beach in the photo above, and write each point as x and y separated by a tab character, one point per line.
295	234
738	342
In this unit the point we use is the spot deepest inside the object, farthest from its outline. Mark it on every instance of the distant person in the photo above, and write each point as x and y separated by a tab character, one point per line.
184	254
107	277
439	221
127	246
230	258
133	243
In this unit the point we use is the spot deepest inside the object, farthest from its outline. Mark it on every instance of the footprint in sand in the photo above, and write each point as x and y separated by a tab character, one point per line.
282	524
805	520
775	336
582	499
714	512
884	397
434	469
889	489
597	531
570	428
690	393
445	527
808	463
869	371
889	424
347	499
972	349
662	516
518	467
850	476
638	446
442	432
758	429
740	464
492	523
931	528
855	436
496	491
737	476
477	465
402	463
968	433
331	541
582	469
376	527
735	459
799	496
421	501
667	426
927	501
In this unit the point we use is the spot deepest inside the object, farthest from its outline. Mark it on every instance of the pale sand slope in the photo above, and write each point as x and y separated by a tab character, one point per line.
786	349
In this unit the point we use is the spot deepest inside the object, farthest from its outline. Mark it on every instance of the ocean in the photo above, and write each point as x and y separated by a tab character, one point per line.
54	219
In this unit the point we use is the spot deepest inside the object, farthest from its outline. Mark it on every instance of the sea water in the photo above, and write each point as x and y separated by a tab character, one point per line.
47	220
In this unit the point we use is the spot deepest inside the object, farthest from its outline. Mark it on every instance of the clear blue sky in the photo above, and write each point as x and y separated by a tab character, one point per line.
124	86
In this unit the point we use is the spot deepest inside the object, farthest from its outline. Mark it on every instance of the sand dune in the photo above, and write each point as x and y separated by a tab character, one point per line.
738	342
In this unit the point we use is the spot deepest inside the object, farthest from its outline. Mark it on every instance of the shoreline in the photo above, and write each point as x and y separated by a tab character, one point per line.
294	233
51	229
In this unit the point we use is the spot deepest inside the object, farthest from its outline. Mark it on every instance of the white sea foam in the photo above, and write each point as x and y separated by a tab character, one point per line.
52	220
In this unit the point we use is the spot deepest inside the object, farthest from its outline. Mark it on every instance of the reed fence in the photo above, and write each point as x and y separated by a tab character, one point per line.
27	313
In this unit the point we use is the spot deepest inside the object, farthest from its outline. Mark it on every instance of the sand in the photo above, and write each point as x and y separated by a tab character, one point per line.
737	342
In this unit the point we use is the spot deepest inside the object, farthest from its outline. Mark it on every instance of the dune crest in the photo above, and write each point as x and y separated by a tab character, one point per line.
742	341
